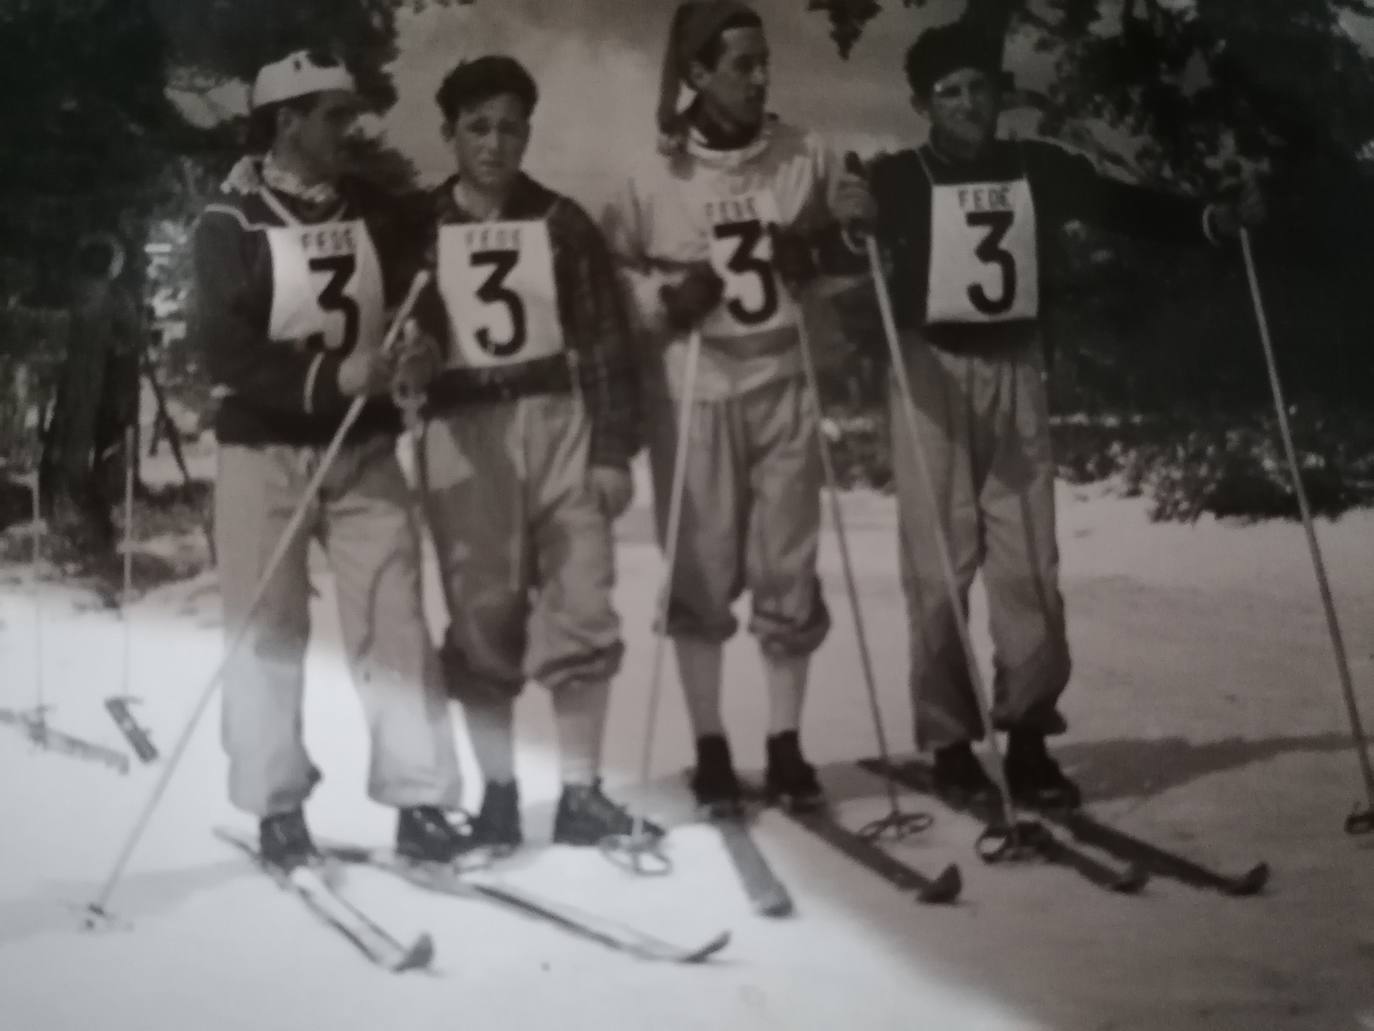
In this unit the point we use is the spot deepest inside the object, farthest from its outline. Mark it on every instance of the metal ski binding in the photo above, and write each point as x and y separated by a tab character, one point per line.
135	733
34	725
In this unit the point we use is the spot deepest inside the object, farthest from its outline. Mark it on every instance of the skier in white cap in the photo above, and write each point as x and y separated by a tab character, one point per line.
293	281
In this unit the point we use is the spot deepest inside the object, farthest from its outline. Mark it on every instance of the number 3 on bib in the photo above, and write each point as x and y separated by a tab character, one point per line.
983	254
498	286
745	261
741	252
338	272
494	291
326	286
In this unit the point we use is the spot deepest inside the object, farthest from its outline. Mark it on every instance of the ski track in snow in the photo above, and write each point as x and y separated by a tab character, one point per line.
1205	713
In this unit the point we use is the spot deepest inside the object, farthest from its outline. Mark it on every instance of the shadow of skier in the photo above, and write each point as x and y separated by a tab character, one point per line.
1120	768
1136	768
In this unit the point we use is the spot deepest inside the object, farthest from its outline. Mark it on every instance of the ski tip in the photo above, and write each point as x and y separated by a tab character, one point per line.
945	889
777	905
708	950
1360	822
418	957
1131	881
1252	882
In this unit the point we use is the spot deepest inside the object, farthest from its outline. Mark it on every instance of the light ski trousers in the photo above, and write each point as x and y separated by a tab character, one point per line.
362	519
983	419
525	552
750	516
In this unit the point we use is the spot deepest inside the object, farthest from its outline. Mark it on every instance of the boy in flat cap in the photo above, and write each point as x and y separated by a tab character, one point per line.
963	218
716	232
525	464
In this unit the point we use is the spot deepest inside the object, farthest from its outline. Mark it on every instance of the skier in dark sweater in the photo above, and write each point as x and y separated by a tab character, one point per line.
294	275
962	220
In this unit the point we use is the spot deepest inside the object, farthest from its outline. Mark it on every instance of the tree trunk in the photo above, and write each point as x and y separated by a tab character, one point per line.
97	397
991	16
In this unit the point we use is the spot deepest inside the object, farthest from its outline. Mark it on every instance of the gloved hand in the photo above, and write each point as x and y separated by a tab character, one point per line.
855	207
416	364
693	297
853	203
365	372
614	489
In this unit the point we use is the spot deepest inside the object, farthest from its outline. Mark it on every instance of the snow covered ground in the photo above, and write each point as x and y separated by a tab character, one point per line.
1205	712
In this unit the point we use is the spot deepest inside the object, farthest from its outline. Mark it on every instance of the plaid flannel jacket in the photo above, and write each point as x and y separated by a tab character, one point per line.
596	327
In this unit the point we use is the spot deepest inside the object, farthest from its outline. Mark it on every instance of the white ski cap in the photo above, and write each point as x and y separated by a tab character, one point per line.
298	75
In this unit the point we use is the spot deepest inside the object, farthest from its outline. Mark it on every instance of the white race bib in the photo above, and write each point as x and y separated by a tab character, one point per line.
984	264
497	282
326	285
741	249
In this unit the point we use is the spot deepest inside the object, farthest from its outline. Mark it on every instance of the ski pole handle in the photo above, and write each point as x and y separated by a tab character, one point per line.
858	229
412	297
